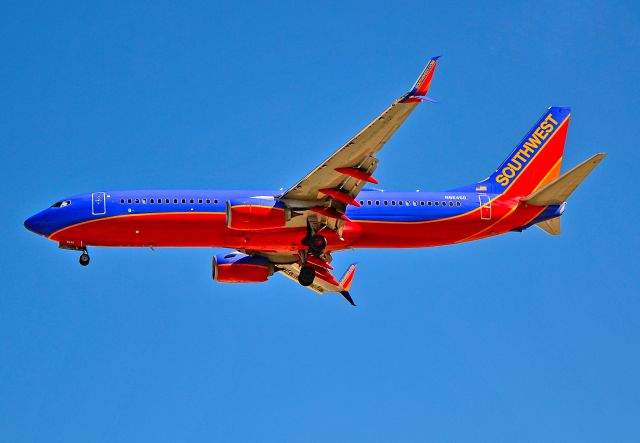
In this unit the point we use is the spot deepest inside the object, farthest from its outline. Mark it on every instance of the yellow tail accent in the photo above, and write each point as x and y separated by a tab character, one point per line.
551	226
559	190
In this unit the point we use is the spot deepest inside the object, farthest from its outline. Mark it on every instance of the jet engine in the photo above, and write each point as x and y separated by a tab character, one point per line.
236	267
256	214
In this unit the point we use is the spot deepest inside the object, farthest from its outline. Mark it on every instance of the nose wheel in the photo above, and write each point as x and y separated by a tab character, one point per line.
84	259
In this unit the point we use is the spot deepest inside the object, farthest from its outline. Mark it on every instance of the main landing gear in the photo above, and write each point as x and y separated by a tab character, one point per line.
307	275
317	245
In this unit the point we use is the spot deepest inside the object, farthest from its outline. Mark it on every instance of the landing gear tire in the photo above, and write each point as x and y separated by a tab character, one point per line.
317	244
306	276
84	259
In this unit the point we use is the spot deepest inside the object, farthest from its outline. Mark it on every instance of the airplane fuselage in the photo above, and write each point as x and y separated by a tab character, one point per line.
198	218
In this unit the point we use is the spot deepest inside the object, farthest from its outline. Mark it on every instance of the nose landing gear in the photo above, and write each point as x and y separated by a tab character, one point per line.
84	258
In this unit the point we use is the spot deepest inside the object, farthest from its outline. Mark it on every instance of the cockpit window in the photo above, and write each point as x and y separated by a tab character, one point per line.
61	204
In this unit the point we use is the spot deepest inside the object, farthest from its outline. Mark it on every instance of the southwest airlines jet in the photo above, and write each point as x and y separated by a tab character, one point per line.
329	210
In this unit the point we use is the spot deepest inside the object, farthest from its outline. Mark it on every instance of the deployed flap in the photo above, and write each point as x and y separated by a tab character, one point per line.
551	226
351	166
559	190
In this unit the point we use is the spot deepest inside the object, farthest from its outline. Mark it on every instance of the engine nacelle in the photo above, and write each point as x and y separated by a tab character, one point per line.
236	267
256	214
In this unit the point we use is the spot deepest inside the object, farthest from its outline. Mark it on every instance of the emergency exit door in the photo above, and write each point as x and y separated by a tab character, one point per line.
98	203
485	207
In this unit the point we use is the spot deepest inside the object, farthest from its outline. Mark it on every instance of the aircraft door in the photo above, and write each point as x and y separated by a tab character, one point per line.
98	203
485	207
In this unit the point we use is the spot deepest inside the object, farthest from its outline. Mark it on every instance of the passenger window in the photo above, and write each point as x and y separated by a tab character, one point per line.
422	203
129	201
122	201
368	202
399	202
200	201
208	201
377	202
429	203
152	201
457	203
436	203
393	202
191	201
361	202
166	200
215	202
415	203
175	201
144	201
184	201
444	203
450	203
386	203
137	200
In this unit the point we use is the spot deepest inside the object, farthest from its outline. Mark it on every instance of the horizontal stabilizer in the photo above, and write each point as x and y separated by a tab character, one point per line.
559	190
551	226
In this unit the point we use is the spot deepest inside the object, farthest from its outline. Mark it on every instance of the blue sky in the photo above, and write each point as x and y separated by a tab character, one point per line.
525	337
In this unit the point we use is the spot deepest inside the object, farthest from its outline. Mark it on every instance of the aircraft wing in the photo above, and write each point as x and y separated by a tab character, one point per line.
339	179
324	281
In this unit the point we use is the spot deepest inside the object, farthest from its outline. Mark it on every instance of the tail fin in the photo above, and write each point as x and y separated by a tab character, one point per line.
559	190
536	160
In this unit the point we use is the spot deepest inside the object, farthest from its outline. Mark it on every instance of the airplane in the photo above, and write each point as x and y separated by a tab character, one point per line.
331	209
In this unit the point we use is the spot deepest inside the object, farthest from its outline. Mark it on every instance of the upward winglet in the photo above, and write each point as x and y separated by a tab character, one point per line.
421	87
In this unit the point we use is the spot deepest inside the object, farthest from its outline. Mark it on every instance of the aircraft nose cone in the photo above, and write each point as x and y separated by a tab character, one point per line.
36	223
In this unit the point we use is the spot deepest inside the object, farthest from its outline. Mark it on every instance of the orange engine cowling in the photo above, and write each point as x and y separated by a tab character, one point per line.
240	268
256	214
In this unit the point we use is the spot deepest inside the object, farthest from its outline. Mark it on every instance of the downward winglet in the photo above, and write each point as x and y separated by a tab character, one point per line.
346	281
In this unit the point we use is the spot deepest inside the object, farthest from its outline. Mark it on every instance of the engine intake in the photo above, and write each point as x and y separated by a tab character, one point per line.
256	214
236	267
